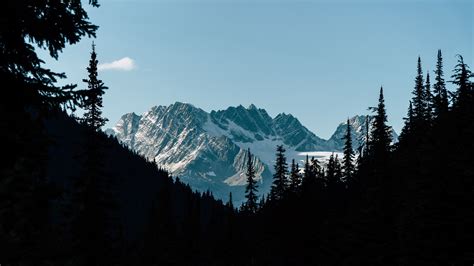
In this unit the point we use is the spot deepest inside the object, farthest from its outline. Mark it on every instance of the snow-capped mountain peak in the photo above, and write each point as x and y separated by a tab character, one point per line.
208	150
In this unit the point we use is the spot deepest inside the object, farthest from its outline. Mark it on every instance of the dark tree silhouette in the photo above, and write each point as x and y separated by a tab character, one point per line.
307	175
428	99
348	159
407	128
380	134
295	177
93	197
251	188
419	99
333	174
26	24
280	182
93	103
440	97
463	94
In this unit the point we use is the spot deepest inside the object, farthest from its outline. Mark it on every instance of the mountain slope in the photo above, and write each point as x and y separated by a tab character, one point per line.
137	183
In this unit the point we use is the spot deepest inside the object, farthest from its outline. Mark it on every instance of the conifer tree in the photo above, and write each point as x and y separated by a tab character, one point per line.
307	169
407	128
280	183
338	168
366	143
463	97
348	159
31	25
295	177
440	94
251	188
93	103
380	135
428	99
333	173
419	99
316	166
309	175
93	197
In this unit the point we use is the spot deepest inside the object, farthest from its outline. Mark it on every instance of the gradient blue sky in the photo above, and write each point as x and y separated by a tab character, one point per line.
321	61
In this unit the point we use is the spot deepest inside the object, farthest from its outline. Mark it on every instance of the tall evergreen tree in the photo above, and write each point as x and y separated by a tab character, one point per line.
348	159
380	135
379	153
251	188
93	103
407	128
93	197
365	143
333	174
295	177
280	182
419	99
338	168
428	99
309	175
440	94
307	169
464	93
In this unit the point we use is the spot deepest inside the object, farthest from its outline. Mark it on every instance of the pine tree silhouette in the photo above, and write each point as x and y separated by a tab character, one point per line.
333	174
295	177
35	24
93	103
463	94
280	182
440	97
348	159
251	188
93	196
419	95
380	134
407	128
428	100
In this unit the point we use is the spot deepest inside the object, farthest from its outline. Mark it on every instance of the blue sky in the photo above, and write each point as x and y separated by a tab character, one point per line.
321	61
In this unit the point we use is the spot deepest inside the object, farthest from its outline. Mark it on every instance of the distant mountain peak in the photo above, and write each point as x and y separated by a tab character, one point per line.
207	150
252	107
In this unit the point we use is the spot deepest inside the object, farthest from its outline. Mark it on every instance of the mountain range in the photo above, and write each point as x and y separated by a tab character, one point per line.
209	150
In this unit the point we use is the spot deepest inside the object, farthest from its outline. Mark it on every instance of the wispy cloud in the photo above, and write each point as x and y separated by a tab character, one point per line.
124	64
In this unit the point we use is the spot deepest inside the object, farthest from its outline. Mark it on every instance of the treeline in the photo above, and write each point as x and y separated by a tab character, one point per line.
408	203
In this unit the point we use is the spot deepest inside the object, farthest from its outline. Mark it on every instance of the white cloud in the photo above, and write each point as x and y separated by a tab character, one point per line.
124	64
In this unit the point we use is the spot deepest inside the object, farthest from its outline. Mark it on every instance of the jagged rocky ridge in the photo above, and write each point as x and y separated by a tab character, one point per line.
208	150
